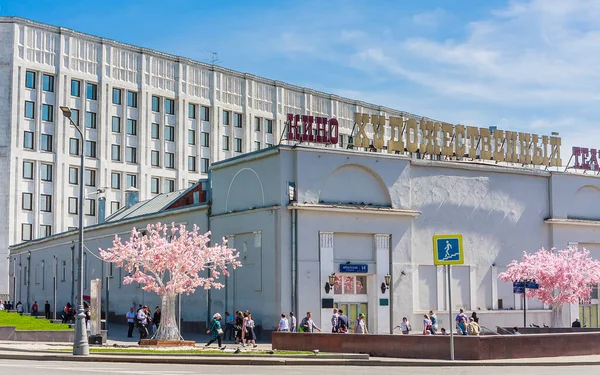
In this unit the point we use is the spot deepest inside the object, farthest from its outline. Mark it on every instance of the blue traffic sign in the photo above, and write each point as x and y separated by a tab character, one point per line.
532	285
518	284
448	249
518	290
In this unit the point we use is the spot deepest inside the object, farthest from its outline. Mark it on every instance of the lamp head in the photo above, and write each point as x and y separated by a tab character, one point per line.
66	111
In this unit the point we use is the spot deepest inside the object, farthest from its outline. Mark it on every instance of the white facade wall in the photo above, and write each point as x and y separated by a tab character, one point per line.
233	113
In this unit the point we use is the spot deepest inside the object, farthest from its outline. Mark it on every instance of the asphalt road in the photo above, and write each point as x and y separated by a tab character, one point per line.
60	368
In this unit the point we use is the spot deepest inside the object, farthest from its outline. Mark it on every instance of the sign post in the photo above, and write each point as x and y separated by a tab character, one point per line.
448	250
520	287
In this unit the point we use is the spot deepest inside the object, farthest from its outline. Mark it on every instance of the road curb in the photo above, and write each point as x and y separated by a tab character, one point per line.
253	361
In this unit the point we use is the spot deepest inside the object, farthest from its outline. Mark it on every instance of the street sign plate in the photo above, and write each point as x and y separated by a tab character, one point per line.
518	284
448	249
354	268
532	285
518	290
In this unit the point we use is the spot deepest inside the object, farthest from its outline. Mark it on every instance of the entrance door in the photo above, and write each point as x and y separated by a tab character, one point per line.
588	316
351	310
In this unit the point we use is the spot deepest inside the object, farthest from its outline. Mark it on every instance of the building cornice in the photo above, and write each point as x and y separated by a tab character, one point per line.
573	222
246	211
340	208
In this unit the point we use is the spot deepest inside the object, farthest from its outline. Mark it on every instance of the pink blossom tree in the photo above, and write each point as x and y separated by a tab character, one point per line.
168	261
564	276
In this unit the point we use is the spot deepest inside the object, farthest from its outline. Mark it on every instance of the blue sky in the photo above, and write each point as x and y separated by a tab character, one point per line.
529	65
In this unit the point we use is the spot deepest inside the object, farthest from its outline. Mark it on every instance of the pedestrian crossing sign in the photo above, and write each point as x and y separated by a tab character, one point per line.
448	249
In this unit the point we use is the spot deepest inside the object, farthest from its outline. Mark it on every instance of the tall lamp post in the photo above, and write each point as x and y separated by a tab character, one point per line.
80	342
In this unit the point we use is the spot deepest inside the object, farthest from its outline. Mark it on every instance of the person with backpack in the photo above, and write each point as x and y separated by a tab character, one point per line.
215	331
342	323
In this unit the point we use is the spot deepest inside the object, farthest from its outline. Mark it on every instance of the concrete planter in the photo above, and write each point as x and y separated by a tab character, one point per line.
11	334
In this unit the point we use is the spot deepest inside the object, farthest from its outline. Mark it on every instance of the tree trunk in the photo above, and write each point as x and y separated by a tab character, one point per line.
167	329
557	321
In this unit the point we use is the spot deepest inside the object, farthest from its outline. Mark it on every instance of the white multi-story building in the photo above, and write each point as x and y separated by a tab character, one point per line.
153	121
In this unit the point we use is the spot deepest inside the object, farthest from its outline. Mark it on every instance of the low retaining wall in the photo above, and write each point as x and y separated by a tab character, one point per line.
534	330
438	347
11	334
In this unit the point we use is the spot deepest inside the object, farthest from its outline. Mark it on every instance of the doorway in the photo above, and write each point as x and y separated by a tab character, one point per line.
588	316
351	310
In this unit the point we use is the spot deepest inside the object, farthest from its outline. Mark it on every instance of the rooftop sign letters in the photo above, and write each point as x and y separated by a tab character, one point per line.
585	158
431	137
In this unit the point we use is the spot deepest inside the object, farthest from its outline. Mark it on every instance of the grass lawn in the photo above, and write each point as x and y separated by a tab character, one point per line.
29	323
182	351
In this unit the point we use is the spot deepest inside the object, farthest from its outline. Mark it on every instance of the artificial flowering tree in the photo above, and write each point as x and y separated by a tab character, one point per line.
564	276
168	260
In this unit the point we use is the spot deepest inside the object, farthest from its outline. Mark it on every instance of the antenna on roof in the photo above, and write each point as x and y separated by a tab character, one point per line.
214	59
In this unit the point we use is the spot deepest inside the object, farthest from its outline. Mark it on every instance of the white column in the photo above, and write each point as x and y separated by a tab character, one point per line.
381	323
473	287
441	290
326	269
495	287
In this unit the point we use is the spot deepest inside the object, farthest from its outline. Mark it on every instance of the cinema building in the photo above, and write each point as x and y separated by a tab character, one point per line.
304	216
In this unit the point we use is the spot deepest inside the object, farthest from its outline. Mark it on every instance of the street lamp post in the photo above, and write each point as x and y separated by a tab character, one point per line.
80	342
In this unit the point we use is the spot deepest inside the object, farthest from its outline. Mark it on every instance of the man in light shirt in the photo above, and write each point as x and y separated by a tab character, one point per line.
308	325
130	321
292	322
334	321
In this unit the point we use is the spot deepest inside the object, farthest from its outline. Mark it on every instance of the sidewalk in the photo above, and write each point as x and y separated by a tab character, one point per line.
47	352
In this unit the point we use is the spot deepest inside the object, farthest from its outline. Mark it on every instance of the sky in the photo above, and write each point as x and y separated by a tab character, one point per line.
526	65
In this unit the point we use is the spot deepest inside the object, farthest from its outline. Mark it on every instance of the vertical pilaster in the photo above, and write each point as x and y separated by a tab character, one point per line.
382	266
326	268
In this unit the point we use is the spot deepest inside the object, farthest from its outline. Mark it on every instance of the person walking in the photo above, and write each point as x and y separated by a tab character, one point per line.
426	325
334	321
342	324
216	332
229	326
47	310
142	318
156	318
361	325
250	335
308	325
239	323
19	307
293	327
284	325
130	316
34	309
434	322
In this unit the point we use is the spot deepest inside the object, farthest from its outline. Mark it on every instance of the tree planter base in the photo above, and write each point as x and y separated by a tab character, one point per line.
149	342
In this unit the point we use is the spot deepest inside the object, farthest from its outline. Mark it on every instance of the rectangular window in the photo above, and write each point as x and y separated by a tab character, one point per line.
170	133
28	140
169	186
116	124
205	140
90	207
27	201
132	180
63	270
155	104
170	106
192	163
155	131
226	115
28	170
115	153
131	155
256	145
47	112
269	126
114	207
191	111
90	177
226	142
267	145
115	180
74	176
30	80
46	144
48	83
191	137
46	172
73	146
90	120
237	120
90	149
75	88
155	185
116	99
132	99
46	203
205	113
73	205
204	163
45	230
75	116
257	124
29	109
131	127
92	91
26	232
155	158
169	160
238	145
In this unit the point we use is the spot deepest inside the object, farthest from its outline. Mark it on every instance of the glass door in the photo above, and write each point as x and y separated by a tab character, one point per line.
588	316
351	310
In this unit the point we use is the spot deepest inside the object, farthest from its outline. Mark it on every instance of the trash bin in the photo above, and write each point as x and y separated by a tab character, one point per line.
95	339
